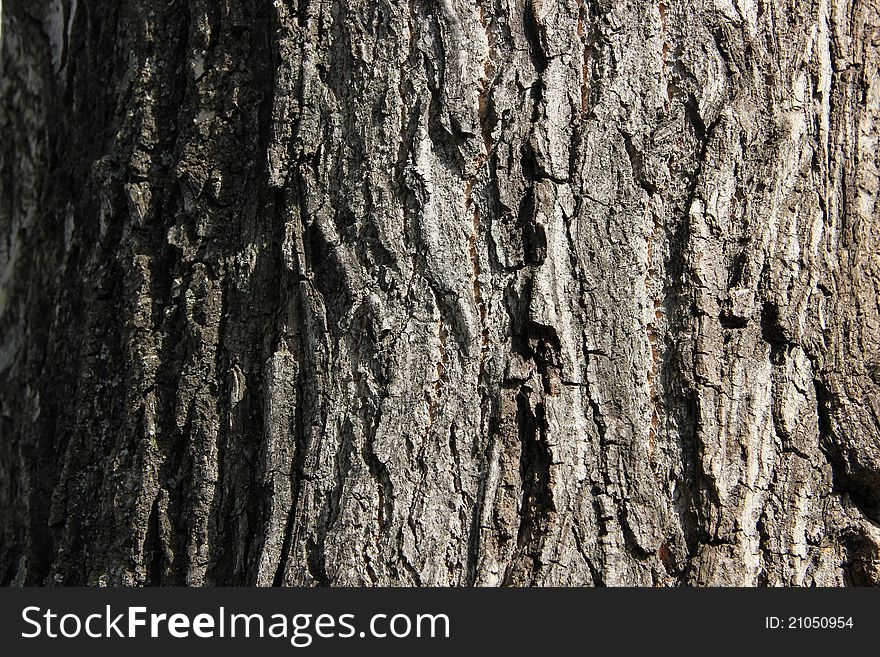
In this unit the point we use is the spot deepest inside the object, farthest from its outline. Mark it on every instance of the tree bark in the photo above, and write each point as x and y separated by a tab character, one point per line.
439	292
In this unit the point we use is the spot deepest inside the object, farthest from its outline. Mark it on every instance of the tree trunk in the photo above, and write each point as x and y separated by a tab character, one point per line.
439	292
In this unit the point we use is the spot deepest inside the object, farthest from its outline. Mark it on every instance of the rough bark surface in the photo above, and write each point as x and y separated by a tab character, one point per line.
440	292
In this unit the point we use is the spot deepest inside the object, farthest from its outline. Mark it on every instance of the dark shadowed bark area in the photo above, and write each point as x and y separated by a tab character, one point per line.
440	292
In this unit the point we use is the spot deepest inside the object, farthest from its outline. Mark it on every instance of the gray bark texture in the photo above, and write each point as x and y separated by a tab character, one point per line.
440	292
